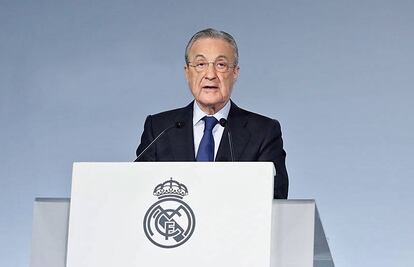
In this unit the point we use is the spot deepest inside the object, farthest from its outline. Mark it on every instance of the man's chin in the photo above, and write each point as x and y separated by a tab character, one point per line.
211	104
210	101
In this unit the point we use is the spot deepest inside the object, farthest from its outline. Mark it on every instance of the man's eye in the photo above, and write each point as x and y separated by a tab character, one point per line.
221	65
201	64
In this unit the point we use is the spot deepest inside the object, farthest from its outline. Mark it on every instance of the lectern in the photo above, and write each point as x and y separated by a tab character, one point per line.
176	214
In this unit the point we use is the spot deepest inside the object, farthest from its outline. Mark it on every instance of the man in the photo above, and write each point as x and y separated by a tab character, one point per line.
213	128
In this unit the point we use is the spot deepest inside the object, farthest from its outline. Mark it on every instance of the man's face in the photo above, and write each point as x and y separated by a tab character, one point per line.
210	88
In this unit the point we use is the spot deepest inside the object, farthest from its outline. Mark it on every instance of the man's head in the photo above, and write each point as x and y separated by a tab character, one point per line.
211	68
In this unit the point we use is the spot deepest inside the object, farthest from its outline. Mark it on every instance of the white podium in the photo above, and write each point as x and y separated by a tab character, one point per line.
180	214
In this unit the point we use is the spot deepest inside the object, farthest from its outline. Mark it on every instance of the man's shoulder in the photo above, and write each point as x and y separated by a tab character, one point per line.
172	112
176	114
254	118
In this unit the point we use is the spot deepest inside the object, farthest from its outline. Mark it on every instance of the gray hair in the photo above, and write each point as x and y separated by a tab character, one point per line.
214	34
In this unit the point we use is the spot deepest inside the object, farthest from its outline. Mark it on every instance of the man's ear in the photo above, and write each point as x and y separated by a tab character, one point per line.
186	72
236	72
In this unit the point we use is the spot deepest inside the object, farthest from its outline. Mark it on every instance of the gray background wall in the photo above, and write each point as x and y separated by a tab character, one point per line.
77	79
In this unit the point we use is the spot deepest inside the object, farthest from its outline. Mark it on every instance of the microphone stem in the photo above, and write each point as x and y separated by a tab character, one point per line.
153	141
231	144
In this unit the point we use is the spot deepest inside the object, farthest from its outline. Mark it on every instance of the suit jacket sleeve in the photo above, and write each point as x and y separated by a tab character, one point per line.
146	138
272	150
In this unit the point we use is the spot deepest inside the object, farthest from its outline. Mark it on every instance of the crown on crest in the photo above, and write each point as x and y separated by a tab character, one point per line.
170	188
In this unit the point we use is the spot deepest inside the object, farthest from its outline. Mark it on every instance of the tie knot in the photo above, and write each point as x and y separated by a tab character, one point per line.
210	122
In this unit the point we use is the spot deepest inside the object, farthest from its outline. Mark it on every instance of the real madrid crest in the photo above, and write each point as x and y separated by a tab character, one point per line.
169	222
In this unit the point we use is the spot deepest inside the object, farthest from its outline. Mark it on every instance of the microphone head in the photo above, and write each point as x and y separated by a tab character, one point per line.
179	124
223	122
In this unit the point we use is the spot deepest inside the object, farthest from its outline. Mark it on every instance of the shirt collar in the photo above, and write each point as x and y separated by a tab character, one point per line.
198	114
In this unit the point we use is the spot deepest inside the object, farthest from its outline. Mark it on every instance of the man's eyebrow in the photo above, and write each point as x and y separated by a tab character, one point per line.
221	57
199	56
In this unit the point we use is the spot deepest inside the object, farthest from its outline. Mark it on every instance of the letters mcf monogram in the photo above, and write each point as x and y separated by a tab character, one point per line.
169	222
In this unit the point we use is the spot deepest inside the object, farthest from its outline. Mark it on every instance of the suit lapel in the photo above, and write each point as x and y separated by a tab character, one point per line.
237	121
182	141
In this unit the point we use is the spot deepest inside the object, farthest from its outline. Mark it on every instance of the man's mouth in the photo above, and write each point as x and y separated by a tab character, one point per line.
210	87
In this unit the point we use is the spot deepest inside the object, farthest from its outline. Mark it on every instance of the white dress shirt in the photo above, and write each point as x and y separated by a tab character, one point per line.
198	126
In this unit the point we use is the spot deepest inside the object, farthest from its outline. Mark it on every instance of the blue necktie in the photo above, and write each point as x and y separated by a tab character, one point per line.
206	147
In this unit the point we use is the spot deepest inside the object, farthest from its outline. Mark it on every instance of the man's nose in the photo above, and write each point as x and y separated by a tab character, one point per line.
211	71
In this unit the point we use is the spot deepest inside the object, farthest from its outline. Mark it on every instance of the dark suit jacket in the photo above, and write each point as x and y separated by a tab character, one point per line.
254	137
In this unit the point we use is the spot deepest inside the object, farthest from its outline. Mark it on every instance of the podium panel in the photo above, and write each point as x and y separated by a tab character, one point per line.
158	213
50	232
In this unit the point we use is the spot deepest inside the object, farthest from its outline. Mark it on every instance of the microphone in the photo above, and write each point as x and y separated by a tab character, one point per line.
223	122
178	125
